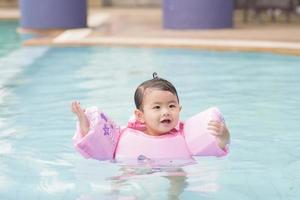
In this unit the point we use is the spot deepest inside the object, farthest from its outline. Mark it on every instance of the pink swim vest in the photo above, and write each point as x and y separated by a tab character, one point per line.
105	140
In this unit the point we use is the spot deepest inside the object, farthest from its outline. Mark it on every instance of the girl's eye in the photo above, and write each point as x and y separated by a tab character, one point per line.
172	106
156	107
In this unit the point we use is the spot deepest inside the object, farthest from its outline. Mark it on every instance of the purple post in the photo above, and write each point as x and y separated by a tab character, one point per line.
53	14
198	14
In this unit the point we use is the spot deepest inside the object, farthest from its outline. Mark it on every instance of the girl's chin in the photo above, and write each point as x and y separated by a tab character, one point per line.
162	131
166	127
165	131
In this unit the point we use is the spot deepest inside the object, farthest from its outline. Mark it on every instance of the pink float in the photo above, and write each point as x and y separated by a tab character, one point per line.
106	141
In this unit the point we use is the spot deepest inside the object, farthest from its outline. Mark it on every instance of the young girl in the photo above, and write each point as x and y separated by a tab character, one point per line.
154	132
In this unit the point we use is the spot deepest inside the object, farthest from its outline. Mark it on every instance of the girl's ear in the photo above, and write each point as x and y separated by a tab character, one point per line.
139	115
180	108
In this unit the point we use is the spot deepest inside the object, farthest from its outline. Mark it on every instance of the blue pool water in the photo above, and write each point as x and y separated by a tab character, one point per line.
258	93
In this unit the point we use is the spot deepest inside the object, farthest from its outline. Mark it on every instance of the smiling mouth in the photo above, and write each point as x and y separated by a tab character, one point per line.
166	121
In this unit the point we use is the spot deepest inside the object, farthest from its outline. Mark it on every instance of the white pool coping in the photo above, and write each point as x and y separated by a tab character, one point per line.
80	36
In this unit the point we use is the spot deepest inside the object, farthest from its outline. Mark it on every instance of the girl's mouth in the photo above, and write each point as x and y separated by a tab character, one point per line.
166	121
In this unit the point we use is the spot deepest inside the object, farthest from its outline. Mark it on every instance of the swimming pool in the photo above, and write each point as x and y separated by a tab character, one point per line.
259	95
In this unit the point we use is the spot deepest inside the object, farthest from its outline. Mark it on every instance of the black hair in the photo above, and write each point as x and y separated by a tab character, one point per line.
157	83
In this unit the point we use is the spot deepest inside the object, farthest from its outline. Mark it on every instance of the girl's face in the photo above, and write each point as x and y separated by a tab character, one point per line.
160	111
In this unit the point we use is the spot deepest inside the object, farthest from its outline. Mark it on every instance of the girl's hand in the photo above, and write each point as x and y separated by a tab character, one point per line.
77	110
83	120
221	132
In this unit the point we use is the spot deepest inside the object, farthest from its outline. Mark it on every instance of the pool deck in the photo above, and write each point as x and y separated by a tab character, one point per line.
142	27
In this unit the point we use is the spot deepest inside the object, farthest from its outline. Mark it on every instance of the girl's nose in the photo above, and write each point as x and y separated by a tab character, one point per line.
165	112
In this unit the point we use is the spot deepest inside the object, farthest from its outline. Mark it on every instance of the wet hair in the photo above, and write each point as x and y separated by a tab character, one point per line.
156	83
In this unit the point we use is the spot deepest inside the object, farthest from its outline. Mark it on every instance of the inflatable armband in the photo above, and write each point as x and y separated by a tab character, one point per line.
101	140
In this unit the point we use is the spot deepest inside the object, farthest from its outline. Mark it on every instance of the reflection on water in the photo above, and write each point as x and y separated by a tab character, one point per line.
143	181
258	94
136	183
